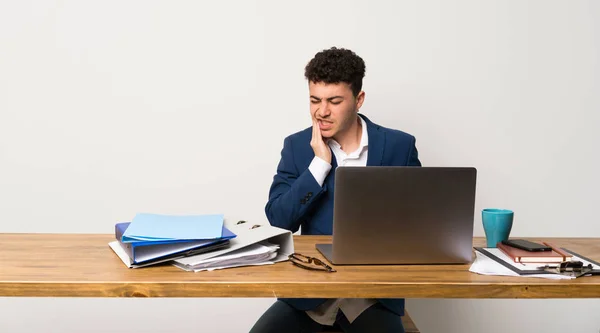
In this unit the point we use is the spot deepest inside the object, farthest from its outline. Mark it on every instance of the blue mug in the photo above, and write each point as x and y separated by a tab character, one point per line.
497	224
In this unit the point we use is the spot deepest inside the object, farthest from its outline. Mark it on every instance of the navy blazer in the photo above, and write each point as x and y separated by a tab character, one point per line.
296	199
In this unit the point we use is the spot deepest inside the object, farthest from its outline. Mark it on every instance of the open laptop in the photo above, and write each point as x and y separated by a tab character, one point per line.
402	215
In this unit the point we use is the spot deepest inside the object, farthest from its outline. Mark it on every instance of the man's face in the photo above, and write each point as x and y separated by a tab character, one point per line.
333	106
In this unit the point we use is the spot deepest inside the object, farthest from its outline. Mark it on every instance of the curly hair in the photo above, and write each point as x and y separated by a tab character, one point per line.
337	65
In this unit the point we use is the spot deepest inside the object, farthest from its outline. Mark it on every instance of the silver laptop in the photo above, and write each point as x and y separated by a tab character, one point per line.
402	215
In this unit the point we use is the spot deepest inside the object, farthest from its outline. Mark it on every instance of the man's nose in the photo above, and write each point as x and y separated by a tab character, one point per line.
323	110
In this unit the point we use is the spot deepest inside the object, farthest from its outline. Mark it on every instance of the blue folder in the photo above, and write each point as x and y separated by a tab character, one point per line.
158	227
144	252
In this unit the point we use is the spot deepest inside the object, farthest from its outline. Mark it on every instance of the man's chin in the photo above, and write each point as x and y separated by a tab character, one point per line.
327	134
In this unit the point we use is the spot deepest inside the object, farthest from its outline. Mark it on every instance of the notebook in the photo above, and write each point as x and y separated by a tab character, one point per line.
542	257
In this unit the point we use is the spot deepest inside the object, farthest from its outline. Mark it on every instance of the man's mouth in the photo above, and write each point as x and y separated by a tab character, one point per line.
325	125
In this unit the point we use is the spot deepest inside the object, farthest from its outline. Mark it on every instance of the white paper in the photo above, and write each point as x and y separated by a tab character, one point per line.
254	254
247	234
254	250
488	266
224	267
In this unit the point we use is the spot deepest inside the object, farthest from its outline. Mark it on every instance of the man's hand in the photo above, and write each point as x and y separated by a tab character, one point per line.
317	143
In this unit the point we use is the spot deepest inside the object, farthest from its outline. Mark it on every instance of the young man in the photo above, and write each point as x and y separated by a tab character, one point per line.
302	191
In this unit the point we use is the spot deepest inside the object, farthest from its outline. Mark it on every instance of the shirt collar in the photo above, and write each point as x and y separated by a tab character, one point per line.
364	137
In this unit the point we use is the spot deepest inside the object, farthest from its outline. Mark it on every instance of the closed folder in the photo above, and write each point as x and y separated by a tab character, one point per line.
143	252
247	235
158	227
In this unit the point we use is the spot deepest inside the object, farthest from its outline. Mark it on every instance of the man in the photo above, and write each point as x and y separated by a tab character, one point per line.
302	191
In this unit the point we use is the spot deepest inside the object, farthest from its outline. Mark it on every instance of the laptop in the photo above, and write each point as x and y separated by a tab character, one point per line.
402	215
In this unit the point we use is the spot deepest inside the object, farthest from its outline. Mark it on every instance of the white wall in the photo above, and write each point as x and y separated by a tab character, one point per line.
108	108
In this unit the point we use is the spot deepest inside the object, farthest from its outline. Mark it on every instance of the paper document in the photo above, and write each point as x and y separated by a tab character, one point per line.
247	234
487	266
155	227
256	254
492	261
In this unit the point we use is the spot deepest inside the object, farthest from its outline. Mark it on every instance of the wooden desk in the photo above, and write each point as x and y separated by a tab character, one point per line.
67	265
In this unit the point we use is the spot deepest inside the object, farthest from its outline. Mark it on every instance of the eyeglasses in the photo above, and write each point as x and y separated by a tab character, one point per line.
307	262
572	268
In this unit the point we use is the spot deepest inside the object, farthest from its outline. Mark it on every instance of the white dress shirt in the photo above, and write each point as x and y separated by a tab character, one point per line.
326	313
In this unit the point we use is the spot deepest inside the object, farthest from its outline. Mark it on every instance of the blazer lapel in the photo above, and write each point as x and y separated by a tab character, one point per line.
376	143
331	176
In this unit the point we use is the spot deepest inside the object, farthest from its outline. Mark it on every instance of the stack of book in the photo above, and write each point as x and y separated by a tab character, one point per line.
508	260
151	239
556	255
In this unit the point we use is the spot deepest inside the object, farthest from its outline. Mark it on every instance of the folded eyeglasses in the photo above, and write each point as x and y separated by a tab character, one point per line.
571	268
311	263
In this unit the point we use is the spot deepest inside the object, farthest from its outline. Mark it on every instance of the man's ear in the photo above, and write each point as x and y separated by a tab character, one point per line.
360	98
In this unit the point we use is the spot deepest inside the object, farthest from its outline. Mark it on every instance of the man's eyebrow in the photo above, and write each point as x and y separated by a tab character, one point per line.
329	99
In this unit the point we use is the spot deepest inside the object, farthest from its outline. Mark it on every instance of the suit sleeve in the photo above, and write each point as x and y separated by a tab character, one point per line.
292	192
413	155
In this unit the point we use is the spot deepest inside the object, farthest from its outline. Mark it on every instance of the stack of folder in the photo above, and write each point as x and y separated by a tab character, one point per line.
151	238
254	244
